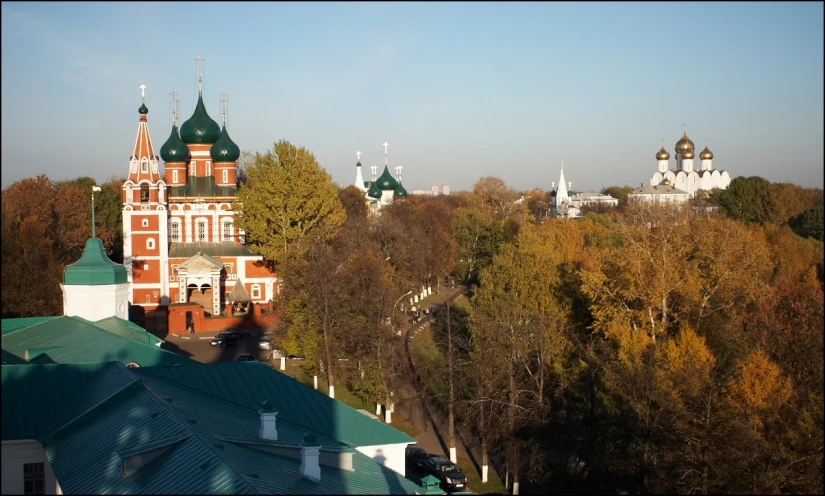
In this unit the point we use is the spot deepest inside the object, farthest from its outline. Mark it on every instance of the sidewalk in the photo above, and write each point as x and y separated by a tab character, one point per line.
414	404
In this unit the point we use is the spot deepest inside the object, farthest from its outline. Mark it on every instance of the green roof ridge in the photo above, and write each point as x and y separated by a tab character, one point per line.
94	268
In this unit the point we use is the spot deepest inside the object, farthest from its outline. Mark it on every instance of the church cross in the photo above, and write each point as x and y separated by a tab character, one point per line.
143	92
562	165
385	152
224	102
684	128
200	61
173	94
358	155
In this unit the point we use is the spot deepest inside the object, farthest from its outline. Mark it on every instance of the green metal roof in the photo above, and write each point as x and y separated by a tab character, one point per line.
374	191
248	384
90	418
174	150
143	109
386	181
11	325
200	128
224	150
400	191
75	340
94	267
220	249
201	187
127	329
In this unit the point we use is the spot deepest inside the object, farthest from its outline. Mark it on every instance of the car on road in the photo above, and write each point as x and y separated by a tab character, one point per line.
444	470
416	456
265	343
225	339
242	333
247	357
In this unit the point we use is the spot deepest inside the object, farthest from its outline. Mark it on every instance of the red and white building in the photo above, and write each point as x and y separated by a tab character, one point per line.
180	240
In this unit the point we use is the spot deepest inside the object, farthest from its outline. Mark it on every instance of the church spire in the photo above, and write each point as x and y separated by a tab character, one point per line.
143	163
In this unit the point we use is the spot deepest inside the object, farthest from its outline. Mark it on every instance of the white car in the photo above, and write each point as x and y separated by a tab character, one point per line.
265	344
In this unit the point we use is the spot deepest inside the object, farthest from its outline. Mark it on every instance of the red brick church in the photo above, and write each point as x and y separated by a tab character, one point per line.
188	267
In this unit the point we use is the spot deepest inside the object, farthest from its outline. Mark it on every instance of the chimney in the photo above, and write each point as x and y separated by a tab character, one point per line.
309	458
268	429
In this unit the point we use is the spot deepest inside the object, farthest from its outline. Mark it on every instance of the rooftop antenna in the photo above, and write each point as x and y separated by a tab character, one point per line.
358	156
224	105
173	94
200	61
385	152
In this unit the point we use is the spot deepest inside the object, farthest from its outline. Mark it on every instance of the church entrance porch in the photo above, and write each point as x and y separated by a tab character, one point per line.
202	295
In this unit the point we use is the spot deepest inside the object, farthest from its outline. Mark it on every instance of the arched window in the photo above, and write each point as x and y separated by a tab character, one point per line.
150	244
174	230
144	193
201	229
227	230
144	165
256	292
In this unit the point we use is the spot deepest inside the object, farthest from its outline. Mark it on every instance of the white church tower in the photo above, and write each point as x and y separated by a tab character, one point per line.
562	196
94	287
359	179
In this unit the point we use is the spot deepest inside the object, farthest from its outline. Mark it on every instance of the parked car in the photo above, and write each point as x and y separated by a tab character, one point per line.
265	344
444	470
247	357
225	339
416	456
242	333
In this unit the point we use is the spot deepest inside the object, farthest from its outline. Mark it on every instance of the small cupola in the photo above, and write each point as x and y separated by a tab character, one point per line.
662	154
400	191
225	150
706	154
374	191
268	428
174	150
310	454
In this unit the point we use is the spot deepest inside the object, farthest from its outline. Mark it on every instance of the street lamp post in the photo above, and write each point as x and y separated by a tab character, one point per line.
398	333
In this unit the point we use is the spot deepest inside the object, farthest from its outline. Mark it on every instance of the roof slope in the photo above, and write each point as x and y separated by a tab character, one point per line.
238	293
120	414
11	325
247	384
75	340
129	330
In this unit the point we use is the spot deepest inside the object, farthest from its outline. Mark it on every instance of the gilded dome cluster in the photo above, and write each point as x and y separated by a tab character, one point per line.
685	147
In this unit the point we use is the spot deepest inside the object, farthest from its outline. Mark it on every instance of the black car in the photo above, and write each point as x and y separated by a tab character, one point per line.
241	333
247	357
416	456
224	339
444	470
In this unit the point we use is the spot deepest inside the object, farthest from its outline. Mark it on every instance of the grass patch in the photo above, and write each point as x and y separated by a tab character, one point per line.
493	485
463	303
402	424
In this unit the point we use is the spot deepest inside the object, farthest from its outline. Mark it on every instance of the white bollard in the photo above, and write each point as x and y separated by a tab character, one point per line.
283	363
416	298
453	457
315	381
429	290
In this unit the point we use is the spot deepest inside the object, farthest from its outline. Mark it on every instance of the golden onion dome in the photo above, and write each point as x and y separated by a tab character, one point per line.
666	182
685	147
663	154
706	154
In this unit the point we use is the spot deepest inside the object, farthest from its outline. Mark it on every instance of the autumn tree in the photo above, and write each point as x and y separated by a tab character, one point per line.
287	199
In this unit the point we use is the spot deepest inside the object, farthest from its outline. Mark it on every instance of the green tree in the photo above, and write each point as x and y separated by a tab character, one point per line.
618	192
749	200
809	224
287	199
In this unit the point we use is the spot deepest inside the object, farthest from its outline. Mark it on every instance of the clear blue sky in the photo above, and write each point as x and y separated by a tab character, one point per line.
459	90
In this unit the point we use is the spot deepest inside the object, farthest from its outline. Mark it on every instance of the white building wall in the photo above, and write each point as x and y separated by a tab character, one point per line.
96	302
389	455
17	453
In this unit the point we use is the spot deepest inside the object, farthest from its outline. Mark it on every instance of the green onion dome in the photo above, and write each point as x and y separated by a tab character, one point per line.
174	150
143	110
386	182
374	191
225	150
200	128
400	191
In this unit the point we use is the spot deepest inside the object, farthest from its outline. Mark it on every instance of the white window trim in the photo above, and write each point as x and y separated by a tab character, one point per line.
193	166
144	223
208	168
175	224
256	292
144	165
150	244
225	176
202	221
224	232
174	176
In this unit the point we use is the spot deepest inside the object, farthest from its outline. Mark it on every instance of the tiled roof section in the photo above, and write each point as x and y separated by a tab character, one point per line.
659	189
11	325
127	329
248	384
220	249
74	340
202	187
238	293
35	395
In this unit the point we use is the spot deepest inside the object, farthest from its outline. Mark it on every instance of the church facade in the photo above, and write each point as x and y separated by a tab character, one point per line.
181	245
684	177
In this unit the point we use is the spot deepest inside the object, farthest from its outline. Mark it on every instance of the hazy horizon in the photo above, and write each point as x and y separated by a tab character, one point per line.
458	90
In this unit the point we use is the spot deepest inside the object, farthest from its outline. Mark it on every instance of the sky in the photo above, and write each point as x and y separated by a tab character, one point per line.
459	90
